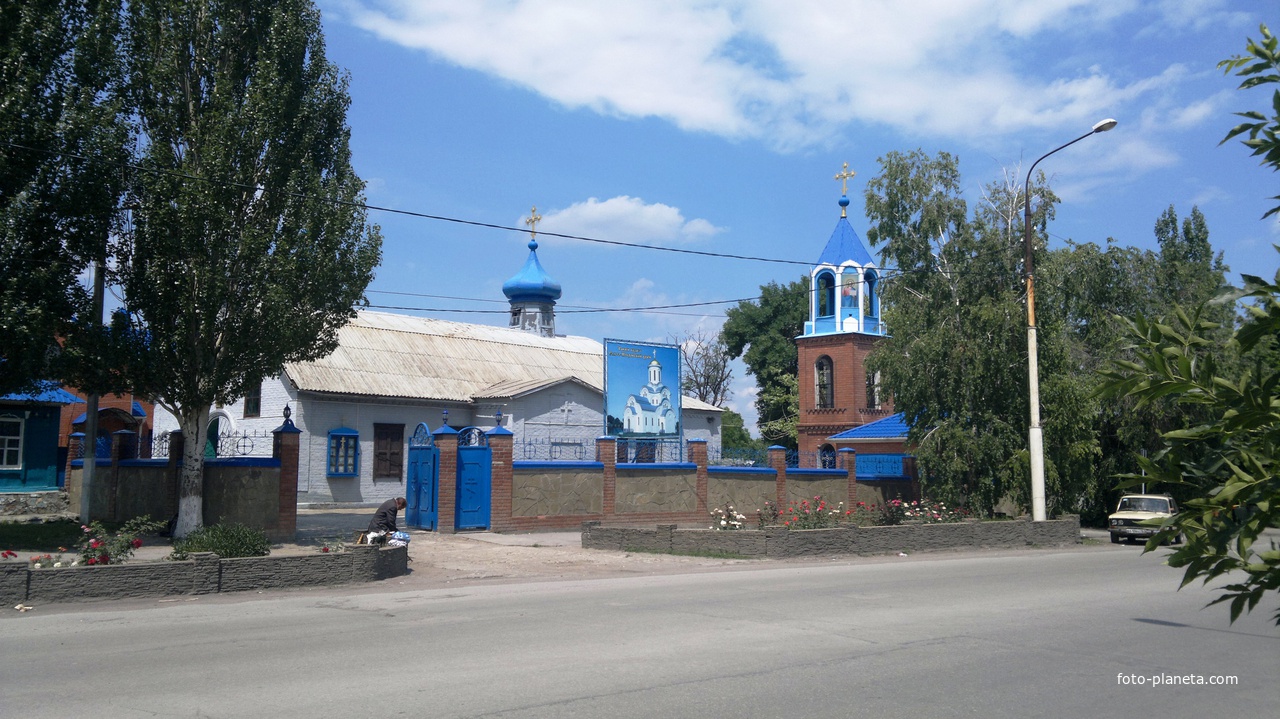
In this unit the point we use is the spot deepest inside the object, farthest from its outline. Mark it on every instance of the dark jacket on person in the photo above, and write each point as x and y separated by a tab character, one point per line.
385	518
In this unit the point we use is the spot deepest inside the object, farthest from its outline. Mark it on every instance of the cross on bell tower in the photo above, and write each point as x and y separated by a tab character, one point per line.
845	175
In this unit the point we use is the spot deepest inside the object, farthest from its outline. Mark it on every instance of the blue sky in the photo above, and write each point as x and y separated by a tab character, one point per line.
718	126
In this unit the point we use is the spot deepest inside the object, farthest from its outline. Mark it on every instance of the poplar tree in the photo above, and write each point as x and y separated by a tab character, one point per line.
62	145
248	245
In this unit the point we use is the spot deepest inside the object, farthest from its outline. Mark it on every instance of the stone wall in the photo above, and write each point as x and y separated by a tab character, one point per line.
778	543
805	484
657	490
540	496
205	573
557	489
746	489
43	503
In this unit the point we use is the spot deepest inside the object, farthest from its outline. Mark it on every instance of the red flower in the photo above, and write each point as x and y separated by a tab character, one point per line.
92	560
104	559
136	543
325	550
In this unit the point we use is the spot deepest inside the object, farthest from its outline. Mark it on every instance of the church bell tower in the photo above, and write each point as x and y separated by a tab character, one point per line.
836	391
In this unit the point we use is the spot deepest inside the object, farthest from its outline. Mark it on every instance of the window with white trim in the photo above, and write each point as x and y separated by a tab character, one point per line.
11	442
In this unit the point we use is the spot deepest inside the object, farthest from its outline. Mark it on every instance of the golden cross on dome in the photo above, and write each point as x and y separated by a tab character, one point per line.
843	177
532	222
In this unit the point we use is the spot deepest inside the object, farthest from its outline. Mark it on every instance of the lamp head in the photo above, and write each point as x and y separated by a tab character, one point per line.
1104	125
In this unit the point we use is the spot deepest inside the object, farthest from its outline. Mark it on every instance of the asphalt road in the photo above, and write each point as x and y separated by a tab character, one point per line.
1036	634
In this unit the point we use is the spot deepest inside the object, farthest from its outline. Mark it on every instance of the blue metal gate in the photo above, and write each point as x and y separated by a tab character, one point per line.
423	488
474	462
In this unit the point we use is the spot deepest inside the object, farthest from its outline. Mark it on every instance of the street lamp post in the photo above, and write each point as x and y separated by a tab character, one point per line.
1035	439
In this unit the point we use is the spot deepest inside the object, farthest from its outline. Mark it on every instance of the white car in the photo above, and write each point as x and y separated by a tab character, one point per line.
1134	510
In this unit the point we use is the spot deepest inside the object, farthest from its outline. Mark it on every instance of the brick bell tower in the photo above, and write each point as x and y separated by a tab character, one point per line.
836	392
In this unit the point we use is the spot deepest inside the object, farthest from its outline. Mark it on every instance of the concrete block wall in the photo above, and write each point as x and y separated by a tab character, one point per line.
781	543
255	491
204	573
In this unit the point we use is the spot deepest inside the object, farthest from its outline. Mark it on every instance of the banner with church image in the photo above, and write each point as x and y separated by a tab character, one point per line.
642	394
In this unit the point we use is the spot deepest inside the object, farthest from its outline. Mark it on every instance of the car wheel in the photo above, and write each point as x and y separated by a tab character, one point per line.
1115	538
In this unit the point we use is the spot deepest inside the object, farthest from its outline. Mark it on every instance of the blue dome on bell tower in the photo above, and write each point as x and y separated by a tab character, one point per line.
532	283
844	283
532	292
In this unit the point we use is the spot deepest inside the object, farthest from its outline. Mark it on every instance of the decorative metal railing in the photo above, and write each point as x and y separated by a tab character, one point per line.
555	450
243	444
738	457
160	445
649	451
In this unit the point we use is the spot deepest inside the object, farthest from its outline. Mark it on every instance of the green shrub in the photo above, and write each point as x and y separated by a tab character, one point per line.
224	540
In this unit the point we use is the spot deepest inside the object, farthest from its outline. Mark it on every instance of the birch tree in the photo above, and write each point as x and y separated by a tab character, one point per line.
249	245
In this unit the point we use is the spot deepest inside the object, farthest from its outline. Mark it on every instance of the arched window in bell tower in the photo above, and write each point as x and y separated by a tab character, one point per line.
824	383
872	302
826	294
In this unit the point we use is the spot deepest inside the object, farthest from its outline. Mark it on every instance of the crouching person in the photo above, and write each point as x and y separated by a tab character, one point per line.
382	528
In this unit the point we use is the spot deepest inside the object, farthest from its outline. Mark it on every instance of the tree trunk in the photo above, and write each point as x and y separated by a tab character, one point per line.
195	430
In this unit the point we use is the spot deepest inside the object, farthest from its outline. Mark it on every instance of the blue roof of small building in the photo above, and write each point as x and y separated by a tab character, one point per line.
892	427
844	245
47	395
136	411
532	283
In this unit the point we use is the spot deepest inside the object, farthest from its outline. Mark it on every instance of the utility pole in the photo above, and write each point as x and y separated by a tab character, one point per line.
90	442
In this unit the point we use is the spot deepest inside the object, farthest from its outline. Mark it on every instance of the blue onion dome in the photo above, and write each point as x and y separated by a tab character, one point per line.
532	283
844	202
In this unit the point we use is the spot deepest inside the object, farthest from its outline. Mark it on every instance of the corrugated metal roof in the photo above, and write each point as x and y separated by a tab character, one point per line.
517	388
687	402
385	355
388	355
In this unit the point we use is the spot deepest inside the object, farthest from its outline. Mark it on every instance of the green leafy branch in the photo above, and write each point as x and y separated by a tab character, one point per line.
1259	67
1232	453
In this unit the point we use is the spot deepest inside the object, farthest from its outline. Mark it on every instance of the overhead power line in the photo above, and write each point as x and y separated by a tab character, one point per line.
886	272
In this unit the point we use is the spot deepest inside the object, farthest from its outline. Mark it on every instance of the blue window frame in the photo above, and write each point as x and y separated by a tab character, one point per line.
344	452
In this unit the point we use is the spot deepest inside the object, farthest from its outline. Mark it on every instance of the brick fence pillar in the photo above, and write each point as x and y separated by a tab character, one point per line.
847	459
778	460
446	508
500	478
284	447
607	454
698	455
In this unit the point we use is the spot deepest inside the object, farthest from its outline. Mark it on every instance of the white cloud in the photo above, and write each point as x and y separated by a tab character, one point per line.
791	73
628	219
